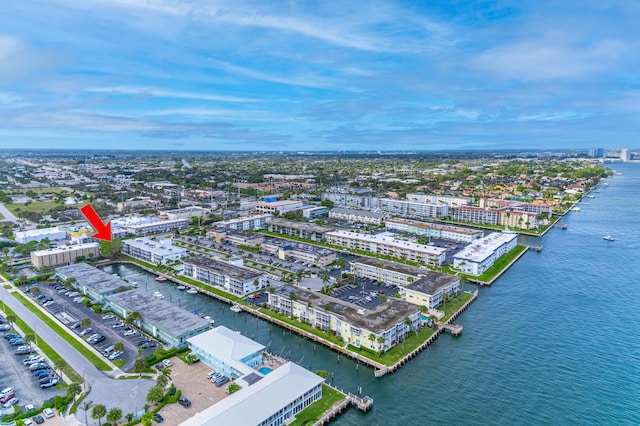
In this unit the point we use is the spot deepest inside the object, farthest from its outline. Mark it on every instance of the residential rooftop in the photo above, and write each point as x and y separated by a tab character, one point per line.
224	268
92	277
303	226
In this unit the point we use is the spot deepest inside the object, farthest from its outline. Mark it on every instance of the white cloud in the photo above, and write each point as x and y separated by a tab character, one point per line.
162	93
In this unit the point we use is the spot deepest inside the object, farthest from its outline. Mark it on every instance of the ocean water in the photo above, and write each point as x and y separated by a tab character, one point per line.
556	340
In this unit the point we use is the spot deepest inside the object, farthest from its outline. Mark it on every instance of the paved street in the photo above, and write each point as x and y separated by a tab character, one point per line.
128	395
7	214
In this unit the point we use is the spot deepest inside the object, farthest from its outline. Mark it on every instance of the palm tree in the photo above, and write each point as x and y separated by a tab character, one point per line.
155	394
85	407
372	337
98	412
59	364
11	319
133	317
407	322
118	346
73	390
29	338
114	415
381	340
146	419
35	291
162	381
139	365
85	322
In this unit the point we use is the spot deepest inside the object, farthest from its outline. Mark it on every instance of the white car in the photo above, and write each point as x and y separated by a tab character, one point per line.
167	362
48	413
115	355
11	402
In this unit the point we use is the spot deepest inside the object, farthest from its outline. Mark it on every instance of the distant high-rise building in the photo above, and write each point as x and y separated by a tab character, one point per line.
624	154
596	152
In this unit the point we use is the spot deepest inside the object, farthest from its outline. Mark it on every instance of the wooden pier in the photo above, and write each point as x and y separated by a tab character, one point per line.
454	329
363	403
562	226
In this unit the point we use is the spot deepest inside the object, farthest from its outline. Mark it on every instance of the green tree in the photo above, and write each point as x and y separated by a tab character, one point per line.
118	347
146	419
59	364
132	318
73	390
139	365
98	412
35	291
29	338
162	381
11	319
111	248
85	407
155	394
114	415
85	322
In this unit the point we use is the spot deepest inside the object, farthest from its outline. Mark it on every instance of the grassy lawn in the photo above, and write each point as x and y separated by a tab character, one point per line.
312	413
7	286
453	305
43	346
303	326
396	353
500	264
1	216
86	352
35	207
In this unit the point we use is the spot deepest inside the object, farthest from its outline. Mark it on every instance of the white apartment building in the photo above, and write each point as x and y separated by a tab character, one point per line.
440	199
433	230
476	215
351	197
52	234
389	245
413	208
156	252
357	215
302	252
476	258
233	279
279	207
184	213
349	321
246	223
145	225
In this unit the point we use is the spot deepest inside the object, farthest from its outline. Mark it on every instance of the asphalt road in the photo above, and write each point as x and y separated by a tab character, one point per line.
7	214
128	395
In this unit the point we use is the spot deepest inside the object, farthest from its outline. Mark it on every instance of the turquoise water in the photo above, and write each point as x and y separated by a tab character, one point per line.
554	341
265	370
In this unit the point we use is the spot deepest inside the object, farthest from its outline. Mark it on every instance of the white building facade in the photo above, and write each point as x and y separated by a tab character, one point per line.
156	252
479	256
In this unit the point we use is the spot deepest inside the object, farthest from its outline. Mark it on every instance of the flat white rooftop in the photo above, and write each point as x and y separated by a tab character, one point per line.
482	248
159	248
387	238
63	249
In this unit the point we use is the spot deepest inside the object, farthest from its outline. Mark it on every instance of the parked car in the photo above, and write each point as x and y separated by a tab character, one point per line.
158	418
115	355
45	379
221	381
184	402
97	340
86	331
13	401
5	327
38	419
38	366
108	317
41	373
147	344
7	395
11	336
48	385
31	359
48	413
17	342
23	350
118	325
130	333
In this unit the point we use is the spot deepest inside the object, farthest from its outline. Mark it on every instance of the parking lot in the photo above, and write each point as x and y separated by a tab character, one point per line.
15	374
366	293
71	314
194	385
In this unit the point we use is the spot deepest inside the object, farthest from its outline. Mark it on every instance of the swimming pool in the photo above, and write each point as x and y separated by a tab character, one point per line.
265	370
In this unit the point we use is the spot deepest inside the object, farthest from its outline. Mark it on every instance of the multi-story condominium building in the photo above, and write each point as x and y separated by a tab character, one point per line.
160	318
156	252
417	286
271	399
143	225
52	234
514	217
413	208
351	197
237	238
246	223
440	199
279	207
476	215
433	230
79	234
357	215
184	213
302	252
540	208
316	211
137	204
234	279
388	244
479	256
376	329
298	229
64	255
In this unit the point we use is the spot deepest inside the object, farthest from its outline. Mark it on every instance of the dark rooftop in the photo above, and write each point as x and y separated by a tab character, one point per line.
224	268
100	281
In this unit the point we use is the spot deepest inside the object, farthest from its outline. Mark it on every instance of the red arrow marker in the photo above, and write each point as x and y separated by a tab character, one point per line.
103	232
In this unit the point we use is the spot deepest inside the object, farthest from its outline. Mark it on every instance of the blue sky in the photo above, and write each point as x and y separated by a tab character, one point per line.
324	75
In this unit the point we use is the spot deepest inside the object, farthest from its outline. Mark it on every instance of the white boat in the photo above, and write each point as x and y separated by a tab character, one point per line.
208	318
235	308
608	237
134	284
116	275
158	295
192	291
181	287
575	209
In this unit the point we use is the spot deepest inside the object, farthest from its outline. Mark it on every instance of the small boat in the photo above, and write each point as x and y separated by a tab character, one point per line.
161	279
575	209
235	308
158	295
134	284
116	275
192	291
181	287
208	318
608	237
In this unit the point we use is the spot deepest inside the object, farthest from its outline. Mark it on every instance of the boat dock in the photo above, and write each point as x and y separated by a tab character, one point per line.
454	329
363	403
536	248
